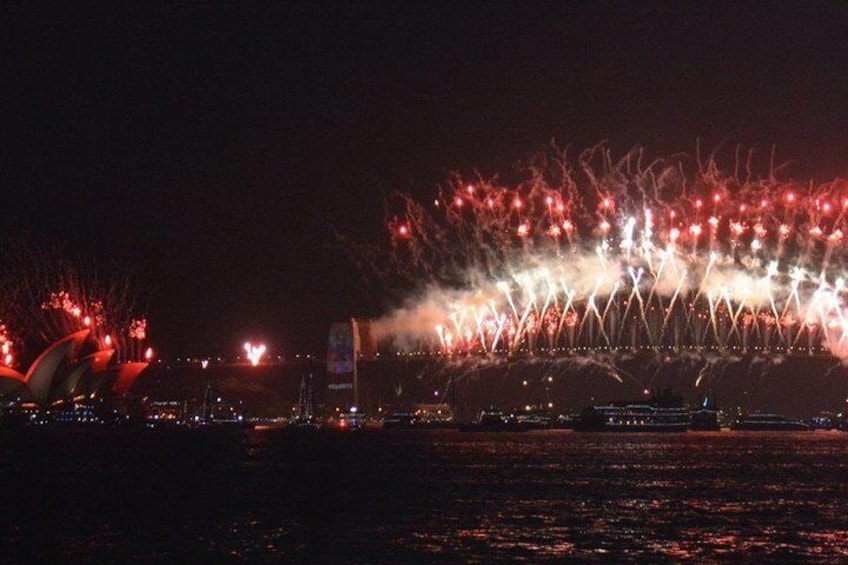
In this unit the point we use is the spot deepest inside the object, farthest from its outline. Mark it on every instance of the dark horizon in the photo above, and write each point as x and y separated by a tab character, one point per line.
217	151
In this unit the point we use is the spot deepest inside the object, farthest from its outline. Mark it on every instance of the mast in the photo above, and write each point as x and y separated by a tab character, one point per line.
207	402
309	397
355	329
304	401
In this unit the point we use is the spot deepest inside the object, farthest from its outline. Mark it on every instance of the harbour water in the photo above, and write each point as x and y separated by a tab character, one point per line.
423	497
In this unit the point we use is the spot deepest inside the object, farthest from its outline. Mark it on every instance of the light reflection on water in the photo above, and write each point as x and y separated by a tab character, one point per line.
439	497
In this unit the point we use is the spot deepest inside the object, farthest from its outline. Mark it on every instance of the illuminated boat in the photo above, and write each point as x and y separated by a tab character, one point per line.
424	417
399	421
533	420
82	414
663	413
491	419
433	417
305	423
567	422
350	421
823	422
768	423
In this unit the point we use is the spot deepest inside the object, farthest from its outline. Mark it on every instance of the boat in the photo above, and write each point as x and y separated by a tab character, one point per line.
533	420
305	420
350	421
82	414
491	419
823	422
423	417
399	421
661	413
567	422
705	418
768	423
305	423
433	417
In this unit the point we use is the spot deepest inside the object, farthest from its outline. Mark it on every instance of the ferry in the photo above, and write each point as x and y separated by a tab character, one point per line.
567	422
424	417
705	418
533	420
399	421
768	423
704	421
410	421
83	414
823	422
352	420
491	419
660	413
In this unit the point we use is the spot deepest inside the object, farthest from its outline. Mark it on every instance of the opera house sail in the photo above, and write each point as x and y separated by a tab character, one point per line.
73	369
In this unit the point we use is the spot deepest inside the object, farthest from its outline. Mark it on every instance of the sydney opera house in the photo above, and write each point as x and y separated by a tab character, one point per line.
66	381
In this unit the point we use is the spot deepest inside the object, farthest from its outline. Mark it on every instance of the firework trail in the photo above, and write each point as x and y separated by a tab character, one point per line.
594	255
47	297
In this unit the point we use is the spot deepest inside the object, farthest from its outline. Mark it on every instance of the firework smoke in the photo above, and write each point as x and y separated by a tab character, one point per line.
597	256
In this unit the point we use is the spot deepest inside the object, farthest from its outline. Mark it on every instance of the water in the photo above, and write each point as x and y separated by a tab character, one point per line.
428	497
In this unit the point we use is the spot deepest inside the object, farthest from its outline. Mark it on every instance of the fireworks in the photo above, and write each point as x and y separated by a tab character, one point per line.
7	346
69	315
138	329
254	352
622	256
47	296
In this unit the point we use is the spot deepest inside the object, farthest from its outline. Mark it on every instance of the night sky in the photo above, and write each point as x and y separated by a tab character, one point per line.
217	150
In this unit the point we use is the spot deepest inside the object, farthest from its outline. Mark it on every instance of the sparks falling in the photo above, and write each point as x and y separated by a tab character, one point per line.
7	347
67	315
603	255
